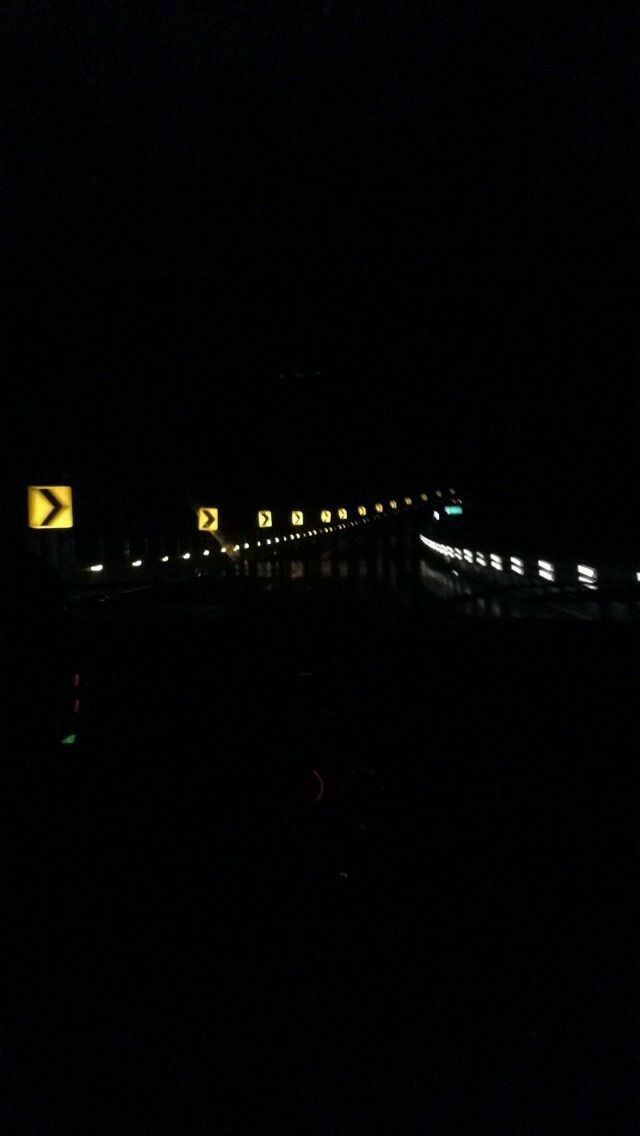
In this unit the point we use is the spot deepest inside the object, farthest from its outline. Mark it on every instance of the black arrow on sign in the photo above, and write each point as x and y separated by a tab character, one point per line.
56	506
210	516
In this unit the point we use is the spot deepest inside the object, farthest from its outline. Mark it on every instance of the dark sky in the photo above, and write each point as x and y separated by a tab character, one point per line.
430	205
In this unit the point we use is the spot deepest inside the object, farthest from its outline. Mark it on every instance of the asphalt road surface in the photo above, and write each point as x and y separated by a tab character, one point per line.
323	859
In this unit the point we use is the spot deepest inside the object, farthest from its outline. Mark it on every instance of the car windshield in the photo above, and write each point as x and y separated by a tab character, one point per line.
320	574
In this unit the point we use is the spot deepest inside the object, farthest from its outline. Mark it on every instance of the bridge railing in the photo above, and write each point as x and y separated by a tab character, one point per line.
99	562
603	583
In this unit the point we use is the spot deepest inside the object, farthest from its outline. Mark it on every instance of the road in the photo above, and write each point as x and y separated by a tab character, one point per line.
323	860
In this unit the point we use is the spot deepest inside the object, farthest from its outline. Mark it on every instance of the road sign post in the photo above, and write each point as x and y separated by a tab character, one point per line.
50	509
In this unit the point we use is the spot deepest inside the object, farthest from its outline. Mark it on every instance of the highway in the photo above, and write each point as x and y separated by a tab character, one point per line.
325	855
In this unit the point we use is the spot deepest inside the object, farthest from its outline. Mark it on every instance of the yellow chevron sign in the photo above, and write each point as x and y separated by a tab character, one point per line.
325	516
50	507
362	510
208	519
378	507
265	519
297	517
342	513
408	501
393	504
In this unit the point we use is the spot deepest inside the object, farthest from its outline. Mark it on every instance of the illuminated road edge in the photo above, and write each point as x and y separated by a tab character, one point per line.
581	574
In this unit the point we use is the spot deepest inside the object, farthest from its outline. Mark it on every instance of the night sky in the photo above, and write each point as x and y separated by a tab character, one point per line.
345	247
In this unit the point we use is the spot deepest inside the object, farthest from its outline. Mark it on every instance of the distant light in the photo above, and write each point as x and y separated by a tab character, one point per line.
96	567
516	562
453	510
223	549
164	559
546	565
136	563
638	577
517	569
436	515
246	545
236	548
458	553
587	576
496	562
277	540
424	496
481	559
268	540
546	575
259	544
206	552
69	740
186	556
468	556
438	493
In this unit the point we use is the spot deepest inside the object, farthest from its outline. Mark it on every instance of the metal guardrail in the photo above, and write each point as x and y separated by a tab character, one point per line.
600	583
194	560
557	571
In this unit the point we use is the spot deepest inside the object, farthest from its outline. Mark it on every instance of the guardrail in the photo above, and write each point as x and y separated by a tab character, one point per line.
129	571
601	578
